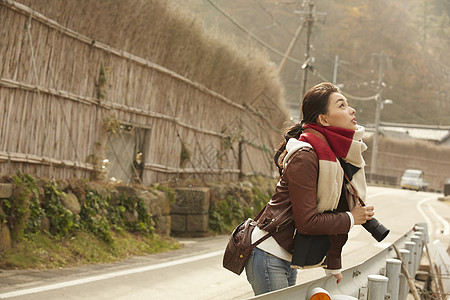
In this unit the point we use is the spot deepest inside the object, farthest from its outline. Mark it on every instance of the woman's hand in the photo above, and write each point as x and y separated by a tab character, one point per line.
338	277
362	213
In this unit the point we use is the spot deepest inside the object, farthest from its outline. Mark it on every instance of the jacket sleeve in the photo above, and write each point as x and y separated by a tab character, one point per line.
301	175
337	241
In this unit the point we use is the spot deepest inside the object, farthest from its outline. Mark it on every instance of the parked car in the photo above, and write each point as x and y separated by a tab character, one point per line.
413	180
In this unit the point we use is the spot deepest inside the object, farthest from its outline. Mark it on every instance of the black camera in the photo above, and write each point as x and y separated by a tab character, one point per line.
378	230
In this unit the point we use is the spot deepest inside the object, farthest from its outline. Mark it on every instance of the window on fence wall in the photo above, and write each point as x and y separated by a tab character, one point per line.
125	153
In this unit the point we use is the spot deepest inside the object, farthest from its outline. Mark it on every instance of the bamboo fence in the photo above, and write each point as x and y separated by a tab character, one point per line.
76	107
176	107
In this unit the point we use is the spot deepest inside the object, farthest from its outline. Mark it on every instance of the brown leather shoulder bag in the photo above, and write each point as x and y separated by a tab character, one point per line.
240	246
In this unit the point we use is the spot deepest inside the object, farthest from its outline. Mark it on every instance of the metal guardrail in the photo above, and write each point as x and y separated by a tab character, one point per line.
377	278
382	179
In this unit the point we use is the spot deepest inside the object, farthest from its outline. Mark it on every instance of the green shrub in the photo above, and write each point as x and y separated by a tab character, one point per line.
36	211
260	199
169	192
225	214
116	216
145	223
94	216
62	221
22	212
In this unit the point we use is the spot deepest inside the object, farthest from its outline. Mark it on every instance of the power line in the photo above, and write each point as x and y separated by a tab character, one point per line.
317	74
286	56
410	113
370	98
291	45
274	20
341	66
234	21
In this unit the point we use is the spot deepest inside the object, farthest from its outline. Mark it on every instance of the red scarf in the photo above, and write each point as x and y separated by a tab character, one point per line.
339	141
345	144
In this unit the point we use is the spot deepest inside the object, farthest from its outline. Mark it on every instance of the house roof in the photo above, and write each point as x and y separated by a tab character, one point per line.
436	134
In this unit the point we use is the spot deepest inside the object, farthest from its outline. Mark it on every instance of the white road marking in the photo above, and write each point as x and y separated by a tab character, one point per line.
441	219
422	212
109	275
187	242
435	215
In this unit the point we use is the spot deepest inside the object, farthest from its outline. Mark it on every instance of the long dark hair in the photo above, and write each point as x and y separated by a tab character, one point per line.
315	103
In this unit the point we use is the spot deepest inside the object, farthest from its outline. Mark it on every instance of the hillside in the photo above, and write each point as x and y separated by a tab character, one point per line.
413	36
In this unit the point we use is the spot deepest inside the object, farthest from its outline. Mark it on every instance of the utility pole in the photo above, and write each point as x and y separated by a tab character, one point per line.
310	20
336	64
373	162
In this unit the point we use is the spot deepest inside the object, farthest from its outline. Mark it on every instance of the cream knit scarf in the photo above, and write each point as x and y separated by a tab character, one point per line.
342	154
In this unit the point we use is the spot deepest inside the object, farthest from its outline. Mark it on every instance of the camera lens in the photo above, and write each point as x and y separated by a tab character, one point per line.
378	230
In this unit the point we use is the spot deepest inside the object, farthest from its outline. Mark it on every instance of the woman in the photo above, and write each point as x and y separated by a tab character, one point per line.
322	177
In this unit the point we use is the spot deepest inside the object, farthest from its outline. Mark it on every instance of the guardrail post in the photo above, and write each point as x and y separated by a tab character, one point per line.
377	287
421	235
411	246
423	228
403	286
393	283
419	247
393	267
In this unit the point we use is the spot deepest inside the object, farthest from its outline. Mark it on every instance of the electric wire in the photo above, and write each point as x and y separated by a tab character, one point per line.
250	34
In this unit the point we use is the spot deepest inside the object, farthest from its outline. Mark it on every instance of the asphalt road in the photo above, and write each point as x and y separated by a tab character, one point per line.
195	272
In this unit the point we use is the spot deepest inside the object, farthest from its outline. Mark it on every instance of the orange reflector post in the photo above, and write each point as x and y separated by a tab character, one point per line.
319	294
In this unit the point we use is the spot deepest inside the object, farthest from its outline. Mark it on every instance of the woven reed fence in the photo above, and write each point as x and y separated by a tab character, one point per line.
75	107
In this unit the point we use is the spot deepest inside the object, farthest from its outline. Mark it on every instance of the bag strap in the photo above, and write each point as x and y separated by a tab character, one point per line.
262	239
355	192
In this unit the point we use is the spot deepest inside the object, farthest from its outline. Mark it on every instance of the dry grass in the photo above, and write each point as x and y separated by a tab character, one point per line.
42	252
159	32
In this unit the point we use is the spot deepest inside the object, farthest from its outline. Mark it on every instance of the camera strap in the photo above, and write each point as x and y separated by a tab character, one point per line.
355	192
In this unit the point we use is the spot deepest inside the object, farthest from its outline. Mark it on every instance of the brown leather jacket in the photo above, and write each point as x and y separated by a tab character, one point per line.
298	187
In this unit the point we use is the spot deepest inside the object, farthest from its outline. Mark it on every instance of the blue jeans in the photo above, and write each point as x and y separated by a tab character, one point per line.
266	272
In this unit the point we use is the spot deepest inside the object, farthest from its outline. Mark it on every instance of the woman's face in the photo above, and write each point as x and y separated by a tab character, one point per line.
339	114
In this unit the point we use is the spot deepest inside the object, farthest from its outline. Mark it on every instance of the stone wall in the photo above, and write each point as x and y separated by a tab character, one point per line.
5	235
218	207
190	212
73	195
178	211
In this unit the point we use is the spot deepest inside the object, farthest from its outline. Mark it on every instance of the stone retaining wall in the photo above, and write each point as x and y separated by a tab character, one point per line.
190	212
156	203
193	207
6	190
187	214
